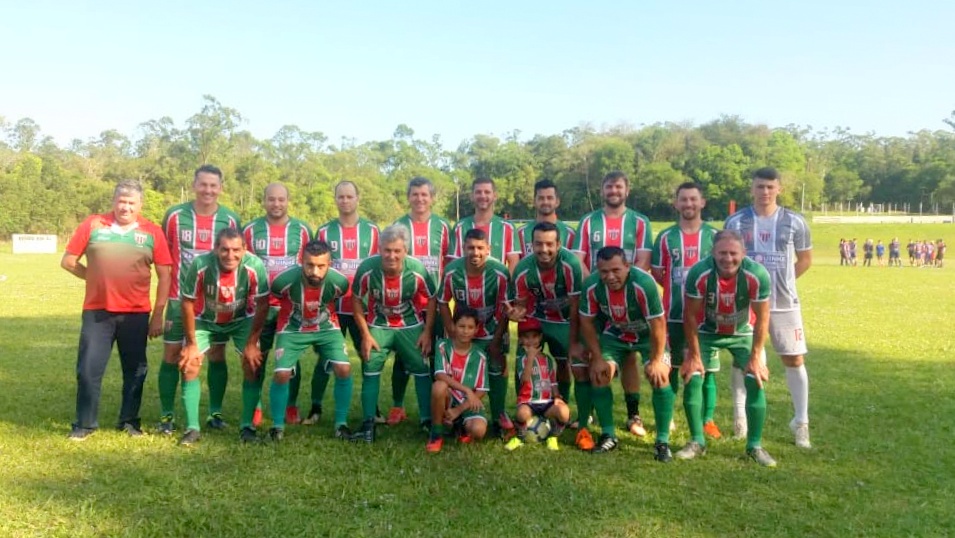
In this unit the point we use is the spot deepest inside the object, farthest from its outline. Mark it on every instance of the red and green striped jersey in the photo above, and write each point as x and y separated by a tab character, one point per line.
303	308
547	292
627	311
189	235
542	387
674	252
630	231
484	293
350	245
726	301
118	262
279	246
500	233
568	237
430	241
468	369
390	300
225	296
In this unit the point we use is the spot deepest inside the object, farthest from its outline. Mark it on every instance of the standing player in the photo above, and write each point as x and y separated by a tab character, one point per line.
307	319
501	234
277	239
480	282
895	253
352	239
675	250
119	247
546	202
868	249
547	286
221	292
779	239
190	230
392	285
619	226
730	294
880	253
626	302
430	239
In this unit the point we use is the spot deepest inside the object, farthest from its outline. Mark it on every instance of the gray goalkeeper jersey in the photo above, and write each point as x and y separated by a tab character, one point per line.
773	241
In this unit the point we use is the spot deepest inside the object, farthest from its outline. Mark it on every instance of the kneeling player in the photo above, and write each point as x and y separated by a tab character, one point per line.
730	294
460	383
536	381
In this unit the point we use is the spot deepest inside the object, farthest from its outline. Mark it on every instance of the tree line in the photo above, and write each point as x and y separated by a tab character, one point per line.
46	188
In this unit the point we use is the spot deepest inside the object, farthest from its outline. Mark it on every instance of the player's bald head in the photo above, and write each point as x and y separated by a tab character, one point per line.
273	189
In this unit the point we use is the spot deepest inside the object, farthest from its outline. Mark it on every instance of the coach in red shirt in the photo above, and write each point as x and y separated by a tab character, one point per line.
119	247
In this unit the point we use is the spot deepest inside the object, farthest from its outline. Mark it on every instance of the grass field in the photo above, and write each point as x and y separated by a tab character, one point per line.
881	342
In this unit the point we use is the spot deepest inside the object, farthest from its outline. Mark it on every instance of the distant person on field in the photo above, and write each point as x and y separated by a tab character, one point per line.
853	245
843	252
939	253
895	253
120	246
911	249
868	249
880	253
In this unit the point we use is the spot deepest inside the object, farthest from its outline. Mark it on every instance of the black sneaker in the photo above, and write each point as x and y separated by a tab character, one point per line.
343	432
313	416
662	453
166	425
366	433
79	434
276	435
248	435
189	438
131	428
605	443
216	422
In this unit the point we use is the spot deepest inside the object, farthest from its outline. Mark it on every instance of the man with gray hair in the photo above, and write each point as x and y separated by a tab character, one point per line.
392	285
120	247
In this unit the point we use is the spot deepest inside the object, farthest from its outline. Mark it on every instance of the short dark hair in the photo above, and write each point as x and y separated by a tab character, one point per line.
728	234
475	233
608	253
345	182
614	176
317	247
767	172
207	169
689	185
545	227
228	233
480	180
464	311
419	181
545	184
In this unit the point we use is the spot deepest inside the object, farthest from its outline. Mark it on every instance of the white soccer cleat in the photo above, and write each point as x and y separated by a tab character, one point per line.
801	433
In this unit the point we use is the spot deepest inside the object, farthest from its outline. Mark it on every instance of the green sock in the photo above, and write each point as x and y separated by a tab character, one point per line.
190	402
564	388
168	383
663	399
399	384
294	384
603	402
422	387
278	401
218	379
755	413
370	386
693	406
709	396
498	394
633	403
319	384
675	380
342	392
583	392
251	396
437	430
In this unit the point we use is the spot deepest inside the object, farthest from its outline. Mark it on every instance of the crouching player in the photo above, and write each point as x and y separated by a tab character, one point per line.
726	307
460	383
537	389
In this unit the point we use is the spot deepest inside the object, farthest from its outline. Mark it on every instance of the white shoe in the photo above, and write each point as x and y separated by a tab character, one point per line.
740	429
801	433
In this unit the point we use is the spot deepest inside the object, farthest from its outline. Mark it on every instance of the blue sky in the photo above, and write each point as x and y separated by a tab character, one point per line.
358	69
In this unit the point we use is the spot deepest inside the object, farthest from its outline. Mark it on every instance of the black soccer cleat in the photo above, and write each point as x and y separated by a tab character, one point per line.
216	422
662	453
189	438
343	432
248	435
166	425
366	433
276	435
606	443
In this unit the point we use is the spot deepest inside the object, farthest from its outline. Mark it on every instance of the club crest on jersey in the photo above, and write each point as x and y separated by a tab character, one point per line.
613	234
278	242
727	298
474	294
186	236
691	252
260	244
391	295
139	238
618	311
350	244
421	241
204	235
764	236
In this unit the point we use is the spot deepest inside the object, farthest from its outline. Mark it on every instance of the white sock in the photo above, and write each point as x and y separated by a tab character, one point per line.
798	382
738	386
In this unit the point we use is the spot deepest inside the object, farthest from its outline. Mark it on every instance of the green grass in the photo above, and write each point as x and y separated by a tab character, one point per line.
882	464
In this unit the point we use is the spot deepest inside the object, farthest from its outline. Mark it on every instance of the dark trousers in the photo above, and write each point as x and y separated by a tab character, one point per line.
99	330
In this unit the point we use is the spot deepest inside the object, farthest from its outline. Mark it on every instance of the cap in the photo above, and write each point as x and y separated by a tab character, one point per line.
529	324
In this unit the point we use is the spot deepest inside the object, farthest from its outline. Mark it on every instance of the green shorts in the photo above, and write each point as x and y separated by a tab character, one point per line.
329	345
210	334
404	343
677	342
739	346
557	338
492	367
173	332
268	331
616	351
465	415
